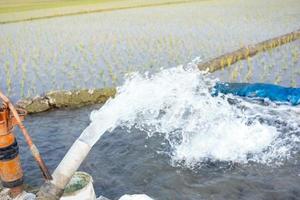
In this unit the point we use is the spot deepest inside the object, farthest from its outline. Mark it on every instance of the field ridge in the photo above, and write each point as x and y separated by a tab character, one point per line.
47	13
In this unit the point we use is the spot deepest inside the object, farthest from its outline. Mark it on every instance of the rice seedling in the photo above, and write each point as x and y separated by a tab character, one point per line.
63	54
235	73
264	72
278	79
249	73
8	78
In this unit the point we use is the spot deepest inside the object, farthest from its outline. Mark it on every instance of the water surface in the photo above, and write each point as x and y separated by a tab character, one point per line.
230	149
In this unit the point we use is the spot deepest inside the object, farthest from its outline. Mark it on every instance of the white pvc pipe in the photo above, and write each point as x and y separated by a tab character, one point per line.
70	163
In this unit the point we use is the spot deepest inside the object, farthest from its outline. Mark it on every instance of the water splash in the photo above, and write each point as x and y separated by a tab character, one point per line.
177	103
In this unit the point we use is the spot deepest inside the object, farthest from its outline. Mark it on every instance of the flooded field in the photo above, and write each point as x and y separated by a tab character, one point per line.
279	66
96	50
165	135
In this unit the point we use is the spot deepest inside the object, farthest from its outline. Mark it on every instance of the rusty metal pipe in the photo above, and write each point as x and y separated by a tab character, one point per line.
35	152
11	173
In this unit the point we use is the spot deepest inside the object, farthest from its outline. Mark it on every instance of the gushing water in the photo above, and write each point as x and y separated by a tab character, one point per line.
177	103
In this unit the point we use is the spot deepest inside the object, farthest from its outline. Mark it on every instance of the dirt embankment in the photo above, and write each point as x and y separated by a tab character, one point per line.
66	99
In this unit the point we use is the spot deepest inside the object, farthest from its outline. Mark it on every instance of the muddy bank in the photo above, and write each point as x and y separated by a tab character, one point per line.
66	99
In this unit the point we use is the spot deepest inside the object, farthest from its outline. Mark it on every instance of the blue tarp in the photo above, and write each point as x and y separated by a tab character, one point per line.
260	91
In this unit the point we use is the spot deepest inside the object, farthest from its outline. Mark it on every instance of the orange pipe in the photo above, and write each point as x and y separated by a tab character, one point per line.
17	120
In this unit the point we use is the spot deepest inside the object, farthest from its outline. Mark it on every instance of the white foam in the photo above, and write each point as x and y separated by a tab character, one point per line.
135	197
177	103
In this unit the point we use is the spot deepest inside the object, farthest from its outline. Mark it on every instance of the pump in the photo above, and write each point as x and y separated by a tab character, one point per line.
11	173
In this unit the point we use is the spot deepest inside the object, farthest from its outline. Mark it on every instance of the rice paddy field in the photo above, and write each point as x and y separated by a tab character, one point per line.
27	10
98	49
163	135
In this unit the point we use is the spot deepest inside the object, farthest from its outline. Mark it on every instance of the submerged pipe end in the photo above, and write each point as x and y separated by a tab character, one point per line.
49	191
53	190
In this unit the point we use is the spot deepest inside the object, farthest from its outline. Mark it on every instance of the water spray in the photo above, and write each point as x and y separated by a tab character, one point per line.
187	91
